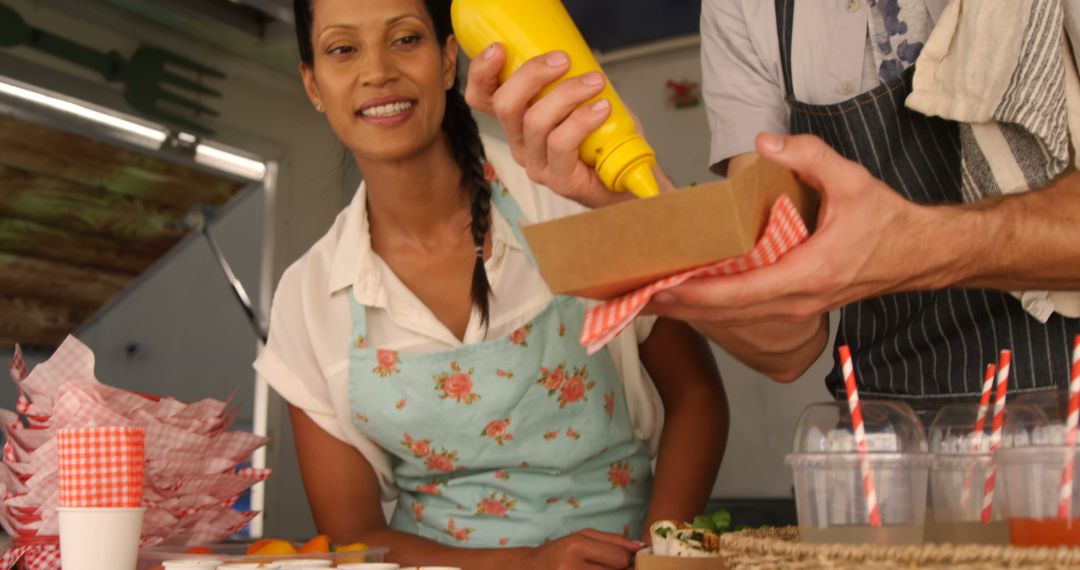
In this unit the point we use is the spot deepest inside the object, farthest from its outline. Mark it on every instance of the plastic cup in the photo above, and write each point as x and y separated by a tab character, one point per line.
956	500
958	472
1029	467
100	538
1031	486
961	465
830	497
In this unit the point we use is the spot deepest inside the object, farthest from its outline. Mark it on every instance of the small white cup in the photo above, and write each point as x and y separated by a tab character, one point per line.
100	538
305	563
369	566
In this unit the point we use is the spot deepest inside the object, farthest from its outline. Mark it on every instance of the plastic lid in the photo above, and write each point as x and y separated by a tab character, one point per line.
1029	425
891	427
953	430
627	167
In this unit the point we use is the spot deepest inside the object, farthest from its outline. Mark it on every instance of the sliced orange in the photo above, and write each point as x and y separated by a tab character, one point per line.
199	550
354	547
251	549
318	545
275	548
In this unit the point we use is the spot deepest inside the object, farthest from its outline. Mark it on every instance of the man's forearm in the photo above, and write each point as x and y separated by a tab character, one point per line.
1015	242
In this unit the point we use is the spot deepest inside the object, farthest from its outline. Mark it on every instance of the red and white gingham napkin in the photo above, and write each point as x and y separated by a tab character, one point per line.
38	553
101	467
72	361
17	367
784	231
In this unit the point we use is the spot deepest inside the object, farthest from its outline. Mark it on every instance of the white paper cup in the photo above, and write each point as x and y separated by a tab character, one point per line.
100	538
369	566
304	563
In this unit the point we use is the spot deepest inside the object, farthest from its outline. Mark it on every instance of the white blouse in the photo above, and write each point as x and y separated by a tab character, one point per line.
307	356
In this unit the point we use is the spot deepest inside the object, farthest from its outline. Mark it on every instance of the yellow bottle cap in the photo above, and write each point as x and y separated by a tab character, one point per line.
628	168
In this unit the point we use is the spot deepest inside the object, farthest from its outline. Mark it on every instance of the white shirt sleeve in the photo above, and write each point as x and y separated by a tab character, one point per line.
289	363
293	367
743	93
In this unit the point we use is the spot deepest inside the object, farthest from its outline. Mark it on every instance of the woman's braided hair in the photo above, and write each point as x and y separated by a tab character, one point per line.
461	132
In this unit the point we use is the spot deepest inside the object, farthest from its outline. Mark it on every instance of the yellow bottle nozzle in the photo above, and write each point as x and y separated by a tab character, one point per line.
640	180
627	166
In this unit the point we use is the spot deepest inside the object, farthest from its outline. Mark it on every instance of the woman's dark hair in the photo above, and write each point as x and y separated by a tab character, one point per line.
461	131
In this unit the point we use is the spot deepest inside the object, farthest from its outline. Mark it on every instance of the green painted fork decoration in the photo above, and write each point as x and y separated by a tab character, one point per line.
149	87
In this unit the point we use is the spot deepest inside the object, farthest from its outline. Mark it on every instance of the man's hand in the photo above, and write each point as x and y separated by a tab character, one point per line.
869	241
544	133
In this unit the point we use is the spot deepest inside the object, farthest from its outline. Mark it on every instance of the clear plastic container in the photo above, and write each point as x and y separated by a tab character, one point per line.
958	471
1030	471
829	490
1030	488
153	558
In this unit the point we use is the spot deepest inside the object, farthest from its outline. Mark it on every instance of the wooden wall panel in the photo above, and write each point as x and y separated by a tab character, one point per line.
119	170
80	219
55	202
37	323
54	282
43	242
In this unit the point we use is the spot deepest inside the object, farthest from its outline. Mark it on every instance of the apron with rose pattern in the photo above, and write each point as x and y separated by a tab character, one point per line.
510	442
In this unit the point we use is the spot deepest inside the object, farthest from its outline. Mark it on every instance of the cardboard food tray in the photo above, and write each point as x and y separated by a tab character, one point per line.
613	250
649	561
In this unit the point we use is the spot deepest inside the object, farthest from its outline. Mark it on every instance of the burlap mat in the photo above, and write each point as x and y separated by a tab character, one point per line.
779	548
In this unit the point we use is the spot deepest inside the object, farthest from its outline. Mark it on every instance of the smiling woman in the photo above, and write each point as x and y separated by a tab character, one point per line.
412	376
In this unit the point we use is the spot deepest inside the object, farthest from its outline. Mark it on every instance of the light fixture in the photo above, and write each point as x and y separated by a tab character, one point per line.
230	162
147	135
142	133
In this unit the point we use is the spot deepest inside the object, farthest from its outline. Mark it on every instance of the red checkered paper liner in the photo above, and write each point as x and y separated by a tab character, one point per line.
37	553
19	372
784	231
189	482
17	367
101	467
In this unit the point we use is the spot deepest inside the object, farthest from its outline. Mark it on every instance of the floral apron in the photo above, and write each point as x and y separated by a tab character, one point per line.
510	442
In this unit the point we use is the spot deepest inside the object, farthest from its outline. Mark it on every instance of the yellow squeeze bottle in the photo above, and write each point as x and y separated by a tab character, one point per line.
528	28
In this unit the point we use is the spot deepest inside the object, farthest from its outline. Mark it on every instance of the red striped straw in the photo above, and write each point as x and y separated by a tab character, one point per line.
855	407
1065	496
1004	363
980	427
